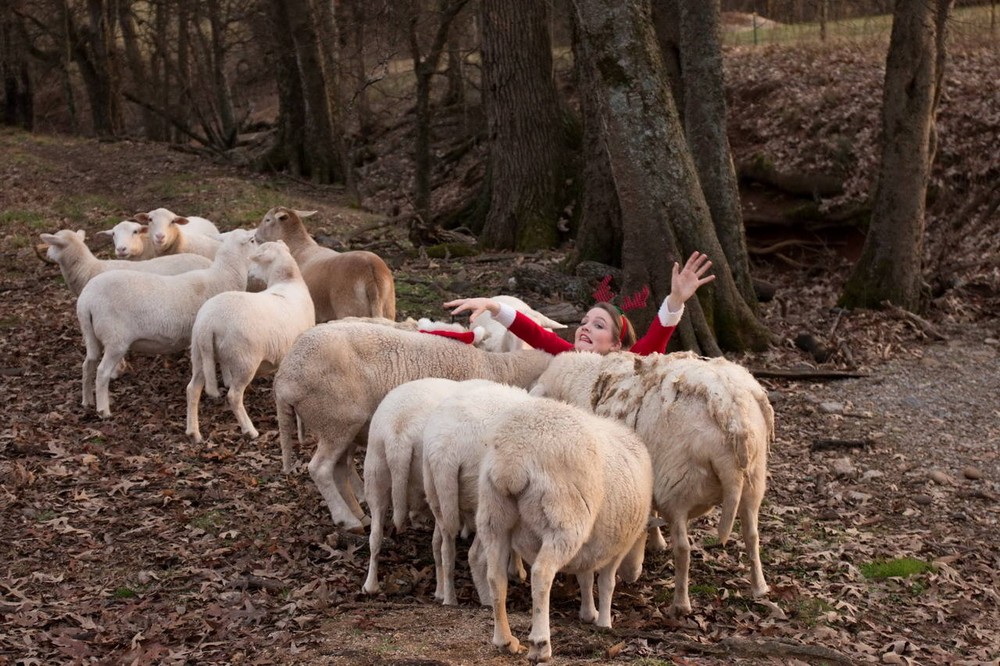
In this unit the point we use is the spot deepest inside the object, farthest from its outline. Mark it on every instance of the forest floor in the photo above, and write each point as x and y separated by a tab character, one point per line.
126	543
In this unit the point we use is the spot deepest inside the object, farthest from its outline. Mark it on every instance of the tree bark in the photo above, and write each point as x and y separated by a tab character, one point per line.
141	78
705	127
889	269
655	178
523	125
288	151
18	91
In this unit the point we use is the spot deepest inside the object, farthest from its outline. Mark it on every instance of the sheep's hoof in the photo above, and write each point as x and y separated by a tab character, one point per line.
680	610
513	645
539	651
195	437
251	433
106	414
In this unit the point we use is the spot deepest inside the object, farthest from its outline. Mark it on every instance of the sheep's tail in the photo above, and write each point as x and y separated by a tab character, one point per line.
207	354
381	291
399	475
288	422
732	491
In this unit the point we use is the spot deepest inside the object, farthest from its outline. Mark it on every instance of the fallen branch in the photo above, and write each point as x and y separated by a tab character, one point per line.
827	444
919	322
807	374
740	647
251	582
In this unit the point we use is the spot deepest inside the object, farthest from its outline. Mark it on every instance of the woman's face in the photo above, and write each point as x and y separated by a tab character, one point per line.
596	333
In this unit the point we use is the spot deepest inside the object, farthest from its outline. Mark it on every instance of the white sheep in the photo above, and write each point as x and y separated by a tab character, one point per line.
567	491
394	459
173	234
121	311
335	375
707	424
342	284
498	338
247	333
79	265
131	240
453	448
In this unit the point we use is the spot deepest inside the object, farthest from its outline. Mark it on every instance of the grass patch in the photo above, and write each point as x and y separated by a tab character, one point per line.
124	593
29	218
210	521
86	208
706	591
901	567
808	611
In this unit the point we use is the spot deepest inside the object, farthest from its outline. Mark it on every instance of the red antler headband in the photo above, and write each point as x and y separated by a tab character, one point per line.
636	300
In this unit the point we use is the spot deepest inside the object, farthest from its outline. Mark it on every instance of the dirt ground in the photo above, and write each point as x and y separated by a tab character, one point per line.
126	543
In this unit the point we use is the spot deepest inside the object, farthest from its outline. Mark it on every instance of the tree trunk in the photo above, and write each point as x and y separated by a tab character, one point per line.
93	50
705	127
526	162
322	159
655	177
889	268
667	22
18	93
288	151
223	95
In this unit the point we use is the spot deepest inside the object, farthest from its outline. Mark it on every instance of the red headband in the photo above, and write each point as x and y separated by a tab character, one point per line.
636	300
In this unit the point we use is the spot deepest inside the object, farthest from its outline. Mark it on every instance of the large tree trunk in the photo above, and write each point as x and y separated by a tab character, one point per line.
141	78
93	50
523	126
705	128
288	151
661	201
889	268
323	161
223	95
18	94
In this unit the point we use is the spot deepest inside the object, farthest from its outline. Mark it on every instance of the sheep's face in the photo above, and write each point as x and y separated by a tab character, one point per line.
162	225
127	237
266	257
280	222
55	244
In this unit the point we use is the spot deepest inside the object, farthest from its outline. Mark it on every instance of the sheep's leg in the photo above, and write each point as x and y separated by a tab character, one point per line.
550	560
194	388
588	612
375	546
477	565
322	469
515	567
89	373
749	508
682	562
344	475
438	569
497	547
631	566
104	369
605	591
235	399
288	423
448	565
656	543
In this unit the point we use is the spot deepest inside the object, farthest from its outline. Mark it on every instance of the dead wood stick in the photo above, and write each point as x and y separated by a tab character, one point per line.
827	444
251	582
780	245
751	648
807	374
922	324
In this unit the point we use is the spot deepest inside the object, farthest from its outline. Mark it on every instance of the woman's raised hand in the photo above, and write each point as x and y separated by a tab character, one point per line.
684	282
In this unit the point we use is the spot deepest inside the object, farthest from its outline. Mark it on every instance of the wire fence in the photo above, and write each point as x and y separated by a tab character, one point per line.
754	29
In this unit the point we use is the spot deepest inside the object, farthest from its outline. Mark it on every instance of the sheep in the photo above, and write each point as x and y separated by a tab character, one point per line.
356	283
173	234
121	311
498	338
393	460
131	240
566	490
453	448
707	424
335	375
248	333
79	265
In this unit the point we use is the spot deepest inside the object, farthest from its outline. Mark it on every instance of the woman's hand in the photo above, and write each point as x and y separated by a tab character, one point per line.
685	282
474	306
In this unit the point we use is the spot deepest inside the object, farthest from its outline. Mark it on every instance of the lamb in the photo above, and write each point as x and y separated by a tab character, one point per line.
707	424
393	460
336	373
566	490
453	448
173	234
79	265
356	283
131	240
121	311
498	338
248	333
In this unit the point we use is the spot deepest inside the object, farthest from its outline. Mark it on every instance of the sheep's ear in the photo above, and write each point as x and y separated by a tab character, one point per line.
142	217
144	229
305	213
281	215
81	234
538	391
105	232
52	239
42	251
180	220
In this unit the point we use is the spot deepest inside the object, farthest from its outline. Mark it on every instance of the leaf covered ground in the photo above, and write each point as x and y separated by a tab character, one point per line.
125	543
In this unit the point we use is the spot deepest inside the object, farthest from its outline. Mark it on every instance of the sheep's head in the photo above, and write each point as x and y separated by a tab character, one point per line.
279	222
162	225
53	245
127	237
268	256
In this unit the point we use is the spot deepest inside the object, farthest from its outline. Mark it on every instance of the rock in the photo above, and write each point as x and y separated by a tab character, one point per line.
842	467
940	477
972	473
872	474
923	500
831	407
991	341
775	397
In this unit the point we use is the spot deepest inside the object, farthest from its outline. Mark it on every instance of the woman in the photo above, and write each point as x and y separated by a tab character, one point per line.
604	328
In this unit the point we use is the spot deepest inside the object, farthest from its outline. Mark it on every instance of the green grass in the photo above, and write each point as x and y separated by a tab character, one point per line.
210	521
124	593
901	567
31	219
808	610
86	208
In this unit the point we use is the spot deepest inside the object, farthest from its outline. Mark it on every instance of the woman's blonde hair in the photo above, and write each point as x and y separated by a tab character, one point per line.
621	327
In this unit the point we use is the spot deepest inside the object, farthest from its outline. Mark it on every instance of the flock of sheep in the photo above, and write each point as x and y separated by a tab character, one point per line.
555	461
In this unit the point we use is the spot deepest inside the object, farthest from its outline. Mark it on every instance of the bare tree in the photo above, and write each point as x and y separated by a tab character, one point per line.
889	268
18	92
664	211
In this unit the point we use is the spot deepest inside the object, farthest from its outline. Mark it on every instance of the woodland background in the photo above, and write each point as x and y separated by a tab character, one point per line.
128	544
